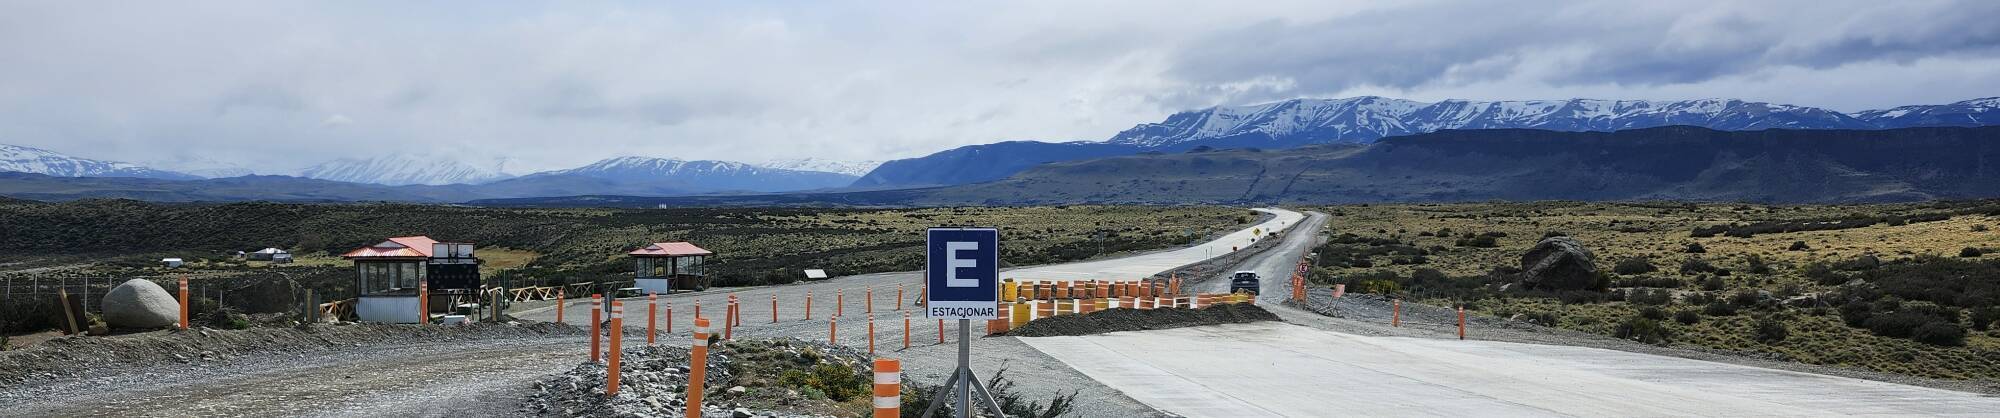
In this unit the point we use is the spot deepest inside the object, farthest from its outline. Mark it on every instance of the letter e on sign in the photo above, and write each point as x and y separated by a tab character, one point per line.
962	272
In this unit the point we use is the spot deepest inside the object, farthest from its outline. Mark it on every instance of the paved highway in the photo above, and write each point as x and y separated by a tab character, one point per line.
1144	265
1286	369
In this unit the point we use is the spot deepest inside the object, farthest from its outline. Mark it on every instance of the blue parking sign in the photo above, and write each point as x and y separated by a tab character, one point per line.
963	273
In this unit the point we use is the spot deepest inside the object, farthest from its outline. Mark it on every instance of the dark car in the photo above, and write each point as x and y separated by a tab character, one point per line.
1244	281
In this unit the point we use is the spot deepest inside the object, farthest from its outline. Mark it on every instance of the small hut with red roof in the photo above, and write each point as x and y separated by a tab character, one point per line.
663	267
387	274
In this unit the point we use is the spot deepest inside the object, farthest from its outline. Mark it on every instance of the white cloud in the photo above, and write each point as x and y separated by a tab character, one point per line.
281	85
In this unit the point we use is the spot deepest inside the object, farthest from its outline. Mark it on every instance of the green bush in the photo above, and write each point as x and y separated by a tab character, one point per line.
838	382
1897	324
1969	252
1799	246
1713	283
1719	308
1652	313
1687	317
1696	265
1634	265
1694	248
1770	330
1939	333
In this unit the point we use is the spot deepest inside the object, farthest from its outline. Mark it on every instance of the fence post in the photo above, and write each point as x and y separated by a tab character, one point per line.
888	388
697	368
595	316
184	302
617	336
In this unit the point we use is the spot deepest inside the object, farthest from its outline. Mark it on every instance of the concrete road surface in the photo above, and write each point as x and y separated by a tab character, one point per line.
1143	265
1278	369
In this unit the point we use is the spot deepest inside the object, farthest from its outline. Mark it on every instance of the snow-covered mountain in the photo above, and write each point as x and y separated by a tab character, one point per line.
852	168
1975	112
202	166
707	175
1364	119
398	170
41	161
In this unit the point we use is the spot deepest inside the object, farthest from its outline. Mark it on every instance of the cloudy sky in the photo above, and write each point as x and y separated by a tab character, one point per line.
275	86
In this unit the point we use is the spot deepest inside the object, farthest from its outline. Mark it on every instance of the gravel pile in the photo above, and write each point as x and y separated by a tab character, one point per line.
78	356
1115	320
654	382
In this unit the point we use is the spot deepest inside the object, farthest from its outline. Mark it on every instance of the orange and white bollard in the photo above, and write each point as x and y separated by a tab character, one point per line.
839	302
697	368
670	317
617	337
652	316
184	302
809	305
833	330
423	302
1338	290
729	319
697	308
1086	306
888	388
906	330
1045	309
940	331
868	306
899	296
1461	322
560	306
1396	316
871	334
774	308
596	315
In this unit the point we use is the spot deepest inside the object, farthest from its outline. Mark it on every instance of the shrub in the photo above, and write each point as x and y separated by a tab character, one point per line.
1713	283
1824	275
1642	330
838	382
1695	248
1687	317
1757	265
1634	265
1745	298
1897	324
1481	241
1650	297
1719	308
1541	318
1652	313
1979	228
1939	333
1799	246
1695	265
1969	252
1770	330
1982	319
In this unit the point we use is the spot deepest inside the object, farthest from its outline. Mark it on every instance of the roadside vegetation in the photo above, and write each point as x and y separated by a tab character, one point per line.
1901	288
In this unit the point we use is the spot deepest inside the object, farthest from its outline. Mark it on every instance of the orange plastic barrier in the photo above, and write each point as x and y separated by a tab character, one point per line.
697	367
617	336
888	388
184	304
595	317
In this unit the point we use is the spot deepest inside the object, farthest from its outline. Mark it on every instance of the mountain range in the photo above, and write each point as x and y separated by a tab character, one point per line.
1299	122
1680	163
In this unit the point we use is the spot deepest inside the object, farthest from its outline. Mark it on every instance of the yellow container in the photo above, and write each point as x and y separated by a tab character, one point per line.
1103	303
1019	316
1009	289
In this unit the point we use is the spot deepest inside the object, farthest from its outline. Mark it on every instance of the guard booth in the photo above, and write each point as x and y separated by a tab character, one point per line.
664	267
387	274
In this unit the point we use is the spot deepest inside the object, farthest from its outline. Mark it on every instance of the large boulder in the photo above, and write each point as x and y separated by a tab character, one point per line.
140	303
1558	263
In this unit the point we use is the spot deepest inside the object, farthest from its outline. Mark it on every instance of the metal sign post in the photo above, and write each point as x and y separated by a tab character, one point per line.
963	278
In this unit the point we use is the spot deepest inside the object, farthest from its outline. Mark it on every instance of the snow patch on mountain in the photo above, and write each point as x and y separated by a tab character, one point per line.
852	168
40	161
399	170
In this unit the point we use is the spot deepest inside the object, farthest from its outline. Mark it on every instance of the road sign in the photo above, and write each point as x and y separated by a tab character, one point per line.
963	273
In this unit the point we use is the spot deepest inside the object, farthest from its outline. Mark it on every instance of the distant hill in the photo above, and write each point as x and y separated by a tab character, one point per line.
399	170
1975	112
1300	122
698	176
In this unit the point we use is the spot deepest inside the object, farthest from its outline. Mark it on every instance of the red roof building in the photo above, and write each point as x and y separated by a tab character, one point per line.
670	249
396	248
664	267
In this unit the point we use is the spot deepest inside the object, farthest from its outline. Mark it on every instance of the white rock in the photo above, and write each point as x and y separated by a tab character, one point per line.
140	303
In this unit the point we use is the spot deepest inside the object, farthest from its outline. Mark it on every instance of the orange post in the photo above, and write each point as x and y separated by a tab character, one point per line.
670	317
1461	322
652	316
899	296
888	388
617	336
871	334
729	319
595	317
559	306
833	330
697	308
423	302
1396	316
774	308
868	306
839	302
697	368
940	331
184	302
809	305
906	330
